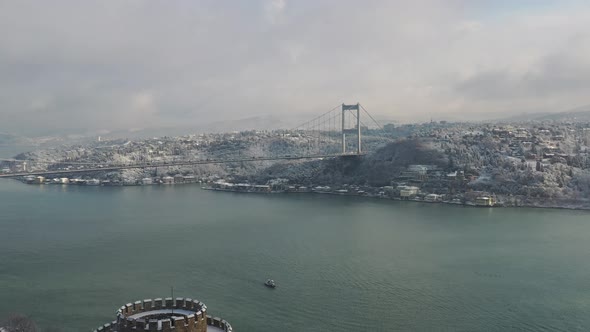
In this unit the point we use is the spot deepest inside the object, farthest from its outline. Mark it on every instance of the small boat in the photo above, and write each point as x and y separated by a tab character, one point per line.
270	283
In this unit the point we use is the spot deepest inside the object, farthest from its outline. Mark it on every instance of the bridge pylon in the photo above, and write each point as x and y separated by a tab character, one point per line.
347	109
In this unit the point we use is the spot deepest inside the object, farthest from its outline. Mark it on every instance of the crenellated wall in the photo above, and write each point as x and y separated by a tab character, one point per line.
156	315
218	322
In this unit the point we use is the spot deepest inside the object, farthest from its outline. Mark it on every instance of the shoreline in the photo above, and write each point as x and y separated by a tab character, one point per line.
369	196
573	208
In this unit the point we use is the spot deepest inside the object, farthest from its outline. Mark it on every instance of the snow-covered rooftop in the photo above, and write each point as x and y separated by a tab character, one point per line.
214	329
162	311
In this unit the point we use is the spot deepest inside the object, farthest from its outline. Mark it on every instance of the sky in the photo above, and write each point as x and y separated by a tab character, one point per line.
103	65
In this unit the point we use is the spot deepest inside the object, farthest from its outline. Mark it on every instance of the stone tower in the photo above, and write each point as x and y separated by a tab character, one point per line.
165	315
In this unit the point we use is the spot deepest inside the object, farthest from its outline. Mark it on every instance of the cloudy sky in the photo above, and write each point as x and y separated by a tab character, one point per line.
136	64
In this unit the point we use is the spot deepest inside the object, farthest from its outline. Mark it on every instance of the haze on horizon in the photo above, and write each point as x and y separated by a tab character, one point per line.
99	65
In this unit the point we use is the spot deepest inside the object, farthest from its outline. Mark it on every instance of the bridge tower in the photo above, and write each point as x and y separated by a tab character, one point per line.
346	110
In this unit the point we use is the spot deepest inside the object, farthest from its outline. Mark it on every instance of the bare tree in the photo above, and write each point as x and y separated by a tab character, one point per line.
19	323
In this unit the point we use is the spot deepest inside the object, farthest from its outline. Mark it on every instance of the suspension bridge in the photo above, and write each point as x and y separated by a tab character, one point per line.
337	133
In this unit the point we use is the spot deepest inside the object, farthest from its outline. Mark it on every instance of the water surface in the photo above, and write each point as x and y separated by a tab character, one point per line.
70	256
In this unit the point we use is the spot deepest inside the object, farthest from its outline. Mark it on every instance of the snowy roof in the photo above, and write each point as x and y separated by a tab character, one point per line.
211	328
162	311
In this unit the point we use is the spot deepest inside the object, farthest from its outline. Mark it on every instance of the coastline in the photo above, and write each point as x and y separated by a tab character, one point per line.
523	205
530	203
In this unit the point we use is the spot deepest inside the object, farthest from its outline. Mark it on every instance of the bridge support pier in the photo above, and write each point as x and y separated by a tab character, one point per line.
356	108
343	128
358	128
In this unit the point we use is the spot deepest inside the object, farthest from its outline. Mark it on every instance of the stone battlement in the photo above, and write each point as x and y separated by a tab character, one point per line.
166	315
220	323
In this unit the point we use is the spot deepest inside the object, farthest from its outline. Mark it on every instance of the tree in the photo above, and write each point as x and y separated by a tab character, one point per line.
19	323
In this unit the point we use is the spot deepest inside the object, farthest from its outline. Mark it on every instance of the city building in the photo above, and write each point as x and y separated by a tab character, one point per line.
262	188
190	179
485	201
433	198
408	191
93	182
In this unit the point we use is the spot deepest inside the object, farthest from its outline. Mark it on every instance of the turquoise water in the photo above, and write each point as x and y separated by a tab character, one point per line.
70	256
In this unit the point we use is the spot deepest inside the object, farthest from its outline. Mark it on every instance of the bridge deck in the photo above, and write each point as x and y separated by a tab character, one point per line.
171	164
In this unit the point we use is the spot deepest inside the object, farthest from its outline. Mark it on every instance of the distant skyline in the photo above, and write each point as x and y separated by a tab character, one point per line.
107	65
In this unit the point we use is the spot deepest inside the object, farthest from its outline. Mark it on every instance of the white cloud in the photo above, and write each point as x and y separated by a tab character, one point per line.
274	10
143	102
83	64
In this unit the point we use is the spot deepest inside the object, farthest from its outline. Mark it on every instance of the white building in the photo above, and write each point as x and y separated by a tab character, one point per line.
433	198
408	191
93	182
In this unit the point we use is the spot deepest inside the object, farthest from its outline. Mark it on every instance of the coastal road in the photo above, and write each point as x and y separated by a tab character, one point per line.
170	164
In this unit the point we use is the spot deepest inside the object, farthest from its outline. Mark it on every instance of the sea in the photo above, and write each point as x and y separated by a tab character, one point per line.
70	256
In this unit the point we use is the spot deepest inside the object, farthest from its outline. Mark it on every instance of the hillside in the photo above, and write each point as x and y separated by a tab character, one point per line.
578	114
581	114
375	169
